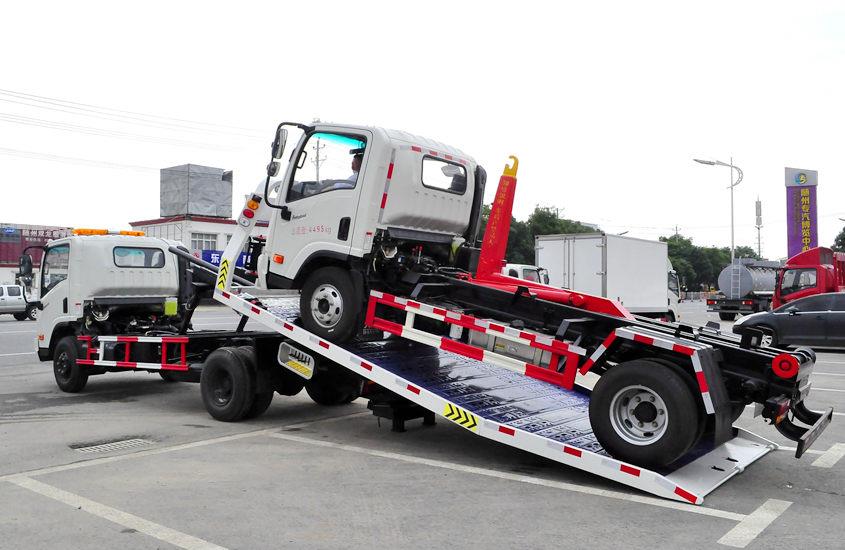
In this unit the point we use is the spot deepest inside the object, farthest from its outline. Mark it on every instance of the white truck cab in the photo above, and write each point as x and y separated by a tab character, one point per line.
358	205
104	279
528	272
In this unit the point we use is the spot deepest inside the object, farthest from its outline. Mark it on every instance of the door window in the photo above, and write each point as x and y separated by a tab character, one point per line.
130	256
797	279
328	162
447	176
54	267
838	302
821	302
14	290
1	291
531	275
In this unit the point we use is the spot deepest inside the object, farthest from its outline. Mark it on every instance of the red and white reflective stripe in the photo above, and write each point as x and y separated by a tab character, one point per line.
601	350
386	185
684	348
438	154
491	328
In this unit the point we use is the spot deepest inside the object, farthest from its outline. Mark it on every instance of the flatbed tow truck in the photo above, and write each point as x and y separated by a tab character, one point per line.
399	307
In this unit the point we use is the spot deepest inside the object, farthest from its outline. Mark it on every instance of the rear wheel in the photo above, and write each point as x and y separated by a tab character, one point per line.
70	376
32	313
19	316
261	401
334	385
328	304
727	316
227	385
644	412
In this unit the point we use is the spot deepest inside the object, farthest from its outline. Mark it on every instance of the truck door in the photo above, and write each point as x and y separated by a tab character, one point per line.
319	203
54	292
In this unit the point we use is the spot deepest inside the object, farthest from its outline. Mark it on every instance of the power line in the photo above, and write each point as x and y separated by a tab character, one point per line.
93	130
73	160
120	112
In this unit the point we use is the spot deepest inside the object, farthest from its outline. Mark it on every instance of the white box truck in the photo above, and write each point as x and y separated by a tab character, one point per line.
634	272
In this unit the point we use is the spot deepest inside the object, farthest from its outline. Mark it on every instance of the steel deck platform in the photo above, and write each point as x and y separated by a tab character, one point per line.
508	407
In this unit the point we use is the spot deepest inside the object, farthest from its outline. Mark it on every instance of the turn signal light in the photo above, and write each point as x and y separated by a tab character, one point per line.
86	231
278	258
248	213
252	205
133	233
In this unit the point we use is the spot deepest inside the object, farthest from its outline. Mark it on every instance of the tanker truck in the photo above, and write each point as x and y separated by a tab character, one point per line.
745	286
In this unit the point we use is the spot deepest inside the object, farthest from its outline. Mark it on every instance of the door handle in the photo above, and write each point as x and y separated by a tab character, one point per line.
343	228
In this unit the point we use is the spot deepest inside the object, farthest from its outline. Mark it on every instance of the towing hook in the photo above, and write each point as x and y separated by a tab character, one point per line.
510	169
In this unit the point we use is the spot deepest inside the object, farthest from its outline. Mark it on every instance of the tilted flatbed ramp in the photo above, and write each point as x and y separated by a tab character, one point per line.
507	407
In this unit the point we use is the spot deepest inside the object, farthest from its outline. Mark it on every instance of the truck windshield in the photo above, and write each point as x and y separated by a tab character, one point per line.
531	275
54	267
328	162
797	279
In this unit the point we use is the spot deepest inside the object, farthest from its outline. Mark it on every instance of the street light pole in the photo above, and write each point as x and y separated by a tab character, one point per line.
731	187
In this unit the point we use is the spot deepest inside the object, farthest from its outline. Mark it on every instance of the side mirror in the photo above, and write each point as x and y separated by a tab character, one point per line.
25	265
279	143
792	310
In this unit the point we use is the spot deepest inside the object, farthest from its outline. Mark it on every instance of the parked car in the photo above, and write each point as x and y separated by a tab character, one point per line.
815	321
12	301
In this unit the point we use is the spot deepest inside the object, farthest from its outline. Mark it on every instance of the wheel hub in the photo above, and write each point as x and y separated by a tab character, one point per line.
638	415
327	305
63	365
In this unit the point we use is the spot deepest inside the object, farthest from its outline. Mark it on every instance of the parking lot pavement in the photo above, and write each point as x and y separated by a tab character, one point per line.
323	477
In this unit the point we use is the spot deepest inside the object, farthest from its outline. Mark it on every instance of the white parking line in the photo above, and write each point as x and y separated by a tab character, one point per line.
828	373
12	354
161	450
18	332
662	503
754	523
830	457
834	414
827	389
124	519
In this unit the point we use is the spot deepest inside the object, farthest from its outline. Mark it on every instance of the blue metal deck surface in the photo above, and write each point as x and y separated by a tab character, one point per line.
488	391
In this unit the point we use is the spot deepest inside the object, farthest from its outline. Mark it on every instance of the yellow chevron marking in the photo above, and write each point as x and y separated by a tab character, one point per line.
461	417
222	274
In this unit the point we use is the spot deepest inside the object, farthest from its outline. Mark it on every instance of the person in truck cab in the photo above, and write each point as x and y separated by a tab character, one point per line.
349	183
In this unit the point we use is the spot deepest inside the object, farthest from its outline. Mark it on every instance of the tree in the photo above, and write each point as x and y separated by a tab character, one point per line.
542	221
746	252
839	242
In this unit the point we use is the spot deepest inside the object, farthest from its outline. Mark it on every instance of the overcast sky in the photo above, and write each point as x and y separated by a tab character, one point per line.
605	103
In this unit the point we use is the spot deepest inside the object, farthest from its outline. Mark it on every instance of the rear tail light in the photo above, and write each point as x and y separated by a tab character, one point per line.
747	302
785	365
248	213
711	302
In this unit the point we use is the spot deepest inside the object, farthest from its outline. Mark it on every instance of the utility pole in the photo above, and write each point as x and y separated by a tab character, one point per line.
317	158
758	207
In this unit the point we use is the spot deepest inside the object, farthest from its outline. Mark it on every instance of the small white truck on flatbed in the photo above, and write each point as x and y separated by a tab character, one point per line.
382	242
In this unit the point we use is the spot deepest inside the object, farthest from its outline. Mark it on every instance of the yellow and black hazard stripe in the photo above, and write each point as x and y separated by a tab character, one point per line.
222	274
461	417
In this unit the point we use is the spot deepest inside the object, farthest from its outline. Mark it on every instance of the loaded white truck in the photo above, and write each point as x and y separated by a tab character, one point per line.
381	244
746	286
636	273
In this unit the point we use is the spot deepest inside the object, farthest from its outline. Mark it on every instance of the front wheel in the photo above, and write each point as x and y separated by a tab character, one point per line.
644	412
70	376
328	304
19	316
32	313
769	338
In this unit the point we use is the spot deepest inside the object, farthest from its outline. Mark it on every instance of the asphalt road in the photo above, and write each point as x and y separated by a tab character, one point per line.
323	477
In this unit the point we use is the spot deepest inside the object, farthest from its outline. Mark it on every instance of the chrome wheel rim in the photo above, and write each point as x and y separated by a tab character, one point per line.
326	306
638	415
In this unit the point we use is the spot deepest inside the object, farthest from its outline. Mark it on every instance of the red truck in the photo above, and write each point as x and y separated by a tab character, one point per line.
815	271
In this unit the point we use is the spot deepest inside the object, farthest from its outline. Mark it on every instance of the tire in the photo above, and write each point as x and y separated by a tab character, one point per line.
692	384
727	316
32	313
261	401
621	428
19	316
328	305
227	385
71	377
334	386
